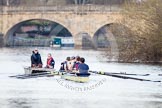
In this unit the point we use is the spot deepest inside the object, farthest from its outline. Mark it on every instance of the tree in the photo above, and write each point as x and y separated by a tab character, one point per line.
144	27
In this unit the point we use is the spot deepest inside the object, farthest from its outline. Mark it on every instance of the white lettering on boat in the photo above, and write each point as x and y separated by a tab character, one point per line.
80	87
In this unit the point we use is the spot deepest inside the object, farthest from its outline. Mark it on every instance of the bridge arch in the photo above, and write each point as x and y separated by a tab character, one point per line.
104	38
101	36
9	36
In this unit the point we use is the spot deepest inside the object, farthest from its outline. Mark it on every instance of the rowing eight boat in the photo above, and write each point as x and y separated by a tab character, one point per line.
82	78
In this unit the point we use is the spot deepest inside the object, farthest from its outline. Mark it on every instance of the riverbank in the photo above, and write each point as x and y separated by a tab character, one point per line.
130	56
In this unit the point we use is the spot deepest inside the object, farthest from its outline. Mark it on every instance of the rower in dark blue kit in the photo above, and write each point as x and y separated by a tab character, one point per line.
36	60
83	68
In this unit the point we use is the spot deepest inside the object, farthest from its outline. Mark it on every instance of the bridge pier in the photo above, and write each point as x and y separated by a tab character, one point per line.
84	41
78	42
1	40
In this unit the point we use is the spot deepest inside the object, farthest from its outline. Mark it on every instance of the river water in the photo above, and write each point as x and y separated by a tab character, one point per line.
54	92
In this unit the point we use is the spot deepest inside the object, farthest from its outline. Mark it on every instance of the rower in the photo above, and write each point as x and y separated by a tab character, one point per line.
73	61
50	61
65	66
76	63
36	60
83	68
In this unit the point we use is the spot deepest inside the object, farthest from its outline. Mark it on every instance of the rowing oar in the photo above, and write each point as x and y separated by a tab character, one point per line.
120	76
124	73
33	74
27	77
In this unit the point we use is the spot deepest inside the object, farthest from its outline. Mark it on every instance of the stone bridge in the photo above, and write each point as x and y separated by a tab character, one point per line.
81	22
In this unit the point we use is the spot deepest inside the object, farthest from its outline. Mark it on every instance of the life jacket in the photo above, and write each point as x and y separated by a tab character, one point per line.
49	61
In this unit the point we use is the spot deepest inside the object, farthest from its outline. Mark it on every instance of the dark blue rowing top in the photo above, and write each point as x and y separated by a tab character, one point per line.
83	68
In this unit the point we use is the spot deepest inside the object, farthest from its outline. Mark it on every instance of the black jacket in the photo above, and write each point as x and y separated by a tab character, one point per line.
36	59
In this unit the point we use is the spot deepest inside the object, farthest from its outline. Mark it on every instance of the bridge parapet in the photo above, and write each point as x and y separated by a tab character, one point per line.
68	8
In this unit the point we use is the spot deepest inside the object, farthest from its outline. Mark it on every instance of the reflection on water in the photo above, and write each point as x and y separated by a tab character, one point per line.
75	103
20	102
46	92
